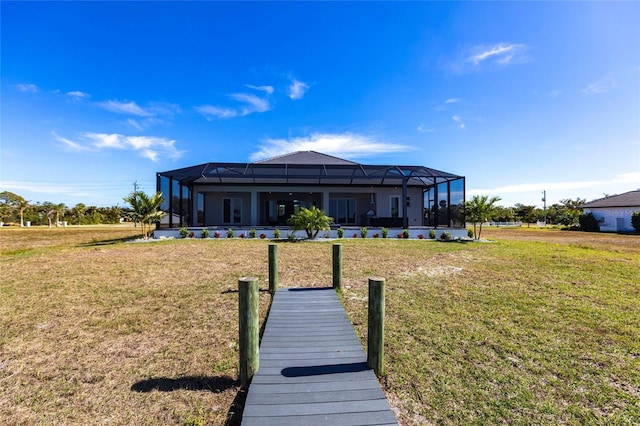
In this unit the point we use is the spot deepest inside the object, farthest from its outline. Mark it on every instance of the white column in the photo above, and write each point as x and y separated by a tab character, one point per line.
325	202
254	208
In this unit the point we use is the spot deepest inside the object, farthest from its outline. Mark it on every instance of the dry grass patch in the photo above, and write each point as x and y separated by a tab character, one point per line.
510	332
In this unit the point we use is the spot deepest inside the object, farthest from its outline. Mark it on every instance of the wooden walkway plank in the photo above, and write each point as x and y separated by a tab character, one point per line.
313	370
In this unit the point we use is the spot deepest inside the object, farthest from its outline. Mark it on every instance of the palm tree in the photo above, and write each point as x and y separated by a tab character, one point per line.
311	221
480	209
146	209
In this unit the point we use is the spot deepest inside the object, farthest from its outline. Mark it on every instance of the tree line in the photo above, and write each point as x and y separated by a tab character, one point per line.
15	209
145	209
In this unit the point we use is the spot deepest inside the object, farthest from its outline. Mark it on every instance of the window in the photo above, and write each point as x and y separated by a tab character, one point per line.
232	210
394	203
343	210
200	208
408	200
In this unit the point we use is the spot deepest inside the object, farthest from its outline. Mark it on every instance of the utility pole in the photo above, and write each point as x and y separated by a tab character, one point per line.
544	200
135	193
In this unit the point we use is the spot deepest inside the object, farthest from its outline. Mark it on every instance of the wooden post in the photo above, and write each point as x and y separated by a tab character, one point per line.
337	267
273	268
248	328
375	341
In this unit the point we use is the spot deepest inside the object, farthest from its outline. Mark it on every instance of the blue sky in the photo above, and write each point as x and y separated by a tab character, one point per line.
518	97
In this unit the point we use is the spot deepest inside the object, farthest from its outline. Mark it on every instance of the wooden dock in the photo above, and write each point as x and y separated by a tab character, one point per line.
313	370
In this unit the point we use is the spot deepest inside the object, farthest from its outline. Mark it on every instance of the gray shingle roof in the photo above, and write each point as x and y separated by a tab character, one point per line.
307	157
628	199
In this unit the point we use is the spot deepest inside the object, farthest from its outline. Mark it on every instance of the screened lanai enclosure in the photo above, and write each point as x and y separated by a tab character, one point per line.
266	193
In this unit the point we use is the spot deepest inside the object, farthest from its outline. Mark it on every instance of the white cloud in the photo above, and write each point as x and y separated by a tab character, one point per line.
459	121
130	108
348	145
452	101
601	86
267	89
632	178
297	89
251	103
501	53
29	88
423	129
210	110
76	94
150	147
70	144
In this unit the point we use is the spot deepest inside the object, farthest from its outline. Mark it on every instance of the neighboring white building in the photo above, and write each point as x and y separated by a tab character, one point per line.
614	213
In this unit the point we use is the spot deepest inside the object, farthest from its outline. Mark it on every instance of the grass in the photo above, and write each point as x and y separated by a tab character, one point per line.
540	327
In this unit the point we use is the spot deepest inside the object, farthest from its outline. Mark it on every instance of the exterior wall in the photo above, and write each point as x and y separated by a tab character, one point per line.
614	219
213	199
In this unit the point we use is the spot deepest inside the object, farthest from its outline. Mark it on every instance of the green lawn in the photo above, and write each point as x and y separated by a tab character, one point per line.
539	327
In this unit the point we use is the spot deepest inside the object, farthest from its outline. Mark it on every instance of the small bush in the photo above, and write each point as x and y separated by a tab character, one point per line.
230	233
276	234
588	222
192	234
204	233
385	232
363	232
376	235
184	232
635	220
406	234
446	236
216	234
340	232
252	233
470	233
400	235
432	234
241	235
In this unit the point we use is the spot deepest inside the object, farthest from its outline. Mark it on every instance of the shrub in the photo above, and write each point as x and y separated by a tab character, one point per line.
470	233
192	234
204	233
184	232
376	235
385	232
363	232
312	221
446	236
276	234
230	233
340	232
588	222
400	235
635	220
406	234
241	235
252	233
216	234
432	234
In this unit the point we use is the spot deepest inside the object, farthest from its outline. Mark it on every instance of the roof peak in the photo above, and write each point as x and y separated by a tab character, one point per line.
306	157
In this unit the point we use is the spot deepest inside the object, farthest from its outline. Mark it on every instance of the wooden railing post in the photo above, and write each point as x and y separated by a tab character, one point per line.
248	328
273	268
337	267
375	343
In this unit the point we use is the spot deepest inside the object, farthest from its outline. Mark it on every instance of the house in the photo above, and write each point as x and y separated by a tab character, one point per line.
266	193
614	213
